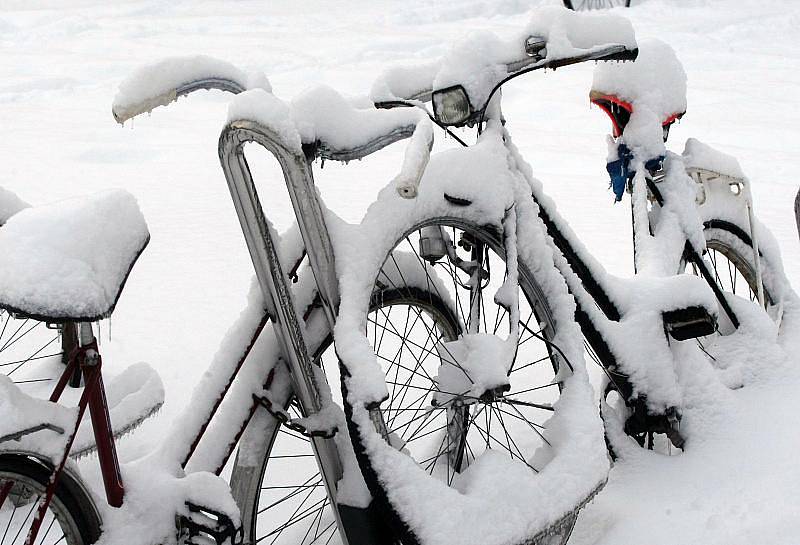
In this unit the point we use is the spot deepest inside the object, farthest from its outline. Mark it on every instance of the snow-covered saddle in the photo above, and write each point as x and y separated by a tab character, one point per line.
69	260
656	82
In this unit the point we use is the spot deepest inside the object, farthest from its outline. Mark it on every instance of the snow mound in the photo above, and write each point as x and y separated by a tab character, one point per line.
655	85
568	32
22	412
697	154
70	259
10	204
268	110
404	81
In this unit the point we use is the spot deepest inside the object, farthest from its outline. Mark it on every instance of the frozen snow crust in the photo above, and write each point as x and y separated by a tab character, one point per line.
70	259
493	503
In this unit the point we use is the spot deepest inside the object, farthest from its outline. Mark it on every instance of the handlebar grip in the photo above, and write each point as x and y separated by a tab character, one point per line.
418	153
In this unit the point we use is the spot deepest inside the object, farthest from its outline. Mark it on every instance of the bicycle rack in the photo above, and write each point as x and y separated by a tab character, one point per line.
274	283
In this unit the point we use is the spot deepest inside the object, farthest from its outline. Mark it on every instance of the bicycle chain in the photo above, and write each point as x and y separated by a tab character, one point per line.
544	537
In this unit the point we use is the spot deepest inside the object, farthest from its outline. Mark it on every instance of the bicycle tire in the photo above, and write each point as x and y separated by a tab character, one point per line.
71	506
578	5
735	245
253	487
454	461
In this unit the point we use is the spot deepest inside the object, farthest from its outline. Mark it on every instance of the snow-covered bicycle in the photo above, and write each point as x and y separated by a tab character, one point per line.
454	308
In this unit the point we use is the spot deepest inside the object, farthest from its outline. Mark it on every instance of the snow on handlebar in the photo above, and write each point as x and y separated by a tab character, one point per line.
480	60
164	82
322	121
336	128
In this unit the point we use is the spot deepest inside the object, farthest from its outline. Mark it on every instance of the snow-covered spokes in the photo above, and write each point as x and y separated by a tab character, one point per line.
504	501
480	59
70	259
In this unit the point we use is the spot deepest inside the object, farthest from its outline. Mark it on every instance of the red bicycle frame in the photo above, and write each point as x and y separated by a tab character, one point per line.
85	357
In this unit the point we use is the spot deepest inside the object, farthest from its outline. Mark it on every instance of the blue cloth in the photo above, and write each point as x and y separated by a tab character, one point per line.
619	169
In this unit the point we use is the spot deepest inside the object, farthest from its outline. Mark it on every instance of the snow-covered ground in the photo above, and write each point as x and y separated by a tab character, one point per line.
62	60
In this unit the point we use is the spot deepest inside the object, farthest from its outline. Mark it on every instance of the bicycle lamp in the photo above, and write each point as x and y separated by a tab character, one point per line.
451	105
536	47
432	245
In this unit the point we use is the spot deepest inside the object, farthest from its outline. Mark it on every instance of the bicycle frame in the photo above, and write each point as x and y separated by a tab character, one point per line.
272	279
86	359
591	292
567	243
595	293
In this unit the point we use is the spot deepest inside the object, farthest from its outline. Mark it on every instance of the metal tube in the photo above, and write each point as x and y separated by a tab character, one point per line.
261	243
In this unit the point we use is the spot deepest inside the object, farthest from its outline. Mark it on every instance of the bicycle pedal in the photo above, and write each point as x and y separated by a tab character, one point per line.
689	323
204	526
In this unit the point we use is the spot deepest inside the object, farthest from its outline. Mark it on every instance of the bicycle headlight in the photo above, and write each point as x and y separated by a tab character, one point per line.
536	47
451	105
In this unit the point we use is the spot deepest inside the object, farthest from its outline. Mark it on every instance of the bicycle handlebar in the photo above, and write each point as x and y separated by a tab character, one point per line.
161	83
123	111
611	52
148	88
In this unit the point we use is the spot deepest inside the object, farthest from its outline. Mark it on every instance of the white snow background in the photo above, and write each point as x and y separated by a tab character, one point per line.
62	60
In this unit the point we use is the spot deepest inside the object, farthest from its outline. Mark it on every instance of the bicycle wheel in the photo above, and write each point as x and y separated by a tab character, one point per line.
71	516
730	258
428	415
275	478
32	353
578	5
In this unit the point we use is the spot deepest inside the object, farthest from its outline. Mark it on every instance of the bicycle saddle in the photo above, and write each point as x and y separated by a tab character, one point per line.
655	81
620	111
69	260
